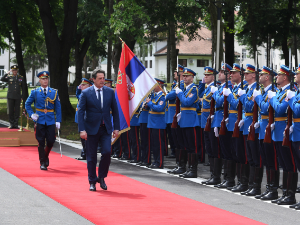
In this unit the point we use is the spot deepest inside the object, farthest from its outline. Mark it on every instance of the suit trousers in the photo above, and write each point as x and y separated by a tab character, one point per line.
158	146
134	138
145	143
91	154
285	157
14	111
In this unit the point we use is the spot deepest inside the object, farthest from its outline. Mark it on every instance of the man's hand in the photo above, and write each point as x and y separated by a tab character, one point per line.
34	117
115	133
57	124
177	90
256	125
290	94
241	92
256	93
226	91
83	135
213	89
148	100
241	123
271	94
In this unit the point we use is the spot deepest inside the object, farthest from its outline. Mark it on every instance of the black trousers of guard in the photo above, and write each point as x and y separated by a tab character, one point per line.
214	144
170	139
207	144
14	111
190	139
253	153
200	143
126	145
134	138
285	157
44	132
180	138
270	155
296	152
226	145
145	143
158	146
117	147
240	148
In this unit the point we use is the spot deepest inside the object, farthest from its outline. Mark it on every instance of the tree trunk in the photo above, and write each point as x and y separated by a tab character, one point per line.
109	43
169	80
95	62
173	48
286	34
295	38
58	48
253	29
229	35
19	54
33	75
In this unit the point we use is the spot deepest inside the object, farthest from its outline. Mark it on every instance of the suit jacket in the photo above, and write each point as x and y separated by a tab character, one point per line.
14	85
91	107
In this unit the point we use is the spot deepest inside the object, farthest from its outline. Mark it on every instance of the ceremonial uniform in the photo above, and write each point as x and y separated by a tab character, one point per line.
13	96
199	130
157	125
45	102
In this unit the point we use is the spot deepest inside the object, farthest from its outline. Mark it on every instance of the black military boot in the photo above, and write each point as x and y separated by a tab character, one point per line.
237	174
211	165
217	172
244	179
273	186
182	162
230	169
42	158
224	161
251	179
290	190
267	186
258	175
284	185
177	152
189	165
193	168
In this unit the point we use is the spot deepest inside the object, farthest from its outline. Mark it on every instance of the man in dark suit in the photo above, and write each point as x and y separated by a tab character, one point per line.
96	102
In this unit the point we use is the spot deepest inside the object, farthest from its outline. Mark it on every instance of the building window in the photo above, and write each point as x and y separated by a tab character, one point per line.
182	62
244	56
1	51
202	63
146	64
150	64
1	70
150	51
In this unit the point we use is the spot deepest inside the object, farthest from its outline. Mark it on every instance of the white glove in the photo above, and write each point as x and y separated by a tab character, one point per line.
34	117
57	125
241	123
249	129
256	93
227	120
241	92
271	94
212	117
216	132
256	125
178	117
291	129
272	126
226	91
213	89
178	90
290	94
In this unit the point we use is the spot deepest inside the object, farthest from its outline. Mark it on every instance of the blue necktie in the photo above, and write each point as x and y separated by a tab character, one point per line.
99	97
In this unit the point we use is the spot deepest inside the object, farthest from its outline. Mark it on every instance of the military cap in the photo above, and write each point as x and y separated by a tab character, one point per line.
86	81
228	68
285	70
188	71
208	70
43	74
159	81
180	68
236	68
14	67
251	69
298	69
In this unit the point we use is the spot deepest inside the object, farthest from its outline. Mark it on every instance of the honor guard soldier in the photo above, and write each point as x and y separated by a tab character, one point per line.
199	130
284	154
108	83
13	95
238	145
157	125
267	150
85	83
188	120
134	139
209	80
294	103
252	147
46	101
222	153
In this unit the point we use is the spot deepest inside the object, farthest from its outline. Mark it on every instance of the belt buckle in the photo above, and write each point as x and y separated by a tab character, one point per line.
45	111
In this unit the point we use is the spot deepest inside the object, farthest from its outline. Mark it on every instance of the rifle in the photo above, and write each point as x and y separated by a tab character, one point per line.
144	105
236	131
223	127
175	123
212	107
286	137
251	135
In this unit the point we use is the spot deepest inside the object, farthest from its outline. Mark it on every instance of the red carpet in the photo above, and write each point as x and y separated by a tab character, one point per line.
5	129
126	202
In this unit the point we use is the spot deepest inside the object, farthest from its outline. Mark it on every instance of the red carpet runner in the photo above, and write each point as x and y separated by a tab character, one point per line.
126	202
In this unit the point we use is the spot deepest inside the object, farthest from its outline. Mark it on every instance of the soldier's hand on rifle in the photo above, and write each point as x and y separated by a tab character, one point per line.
291	129
57	124
212	117
177	90
216	132
272	126
271	94
241	92
256	93
241	123
148	100
213	89
290	94
227	120
178	117
226	91
256	125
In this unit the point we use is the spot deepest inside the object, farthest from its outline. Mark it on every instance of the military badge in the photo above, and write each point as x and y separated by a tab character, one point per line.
191	95
161	102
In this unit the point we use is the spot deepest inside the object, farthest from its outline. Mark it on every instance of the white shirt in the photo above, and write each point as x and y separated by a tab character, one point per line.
266	88
188	86
101	93
250	85
284	87
43	89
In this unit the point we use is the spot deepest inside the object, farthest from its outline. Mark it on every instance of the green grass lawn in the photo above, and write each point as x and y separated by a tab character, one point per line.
3	92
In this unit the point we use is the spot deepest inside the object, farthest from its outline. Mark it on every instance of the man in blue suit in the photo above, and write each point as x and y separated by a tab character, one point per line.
96	103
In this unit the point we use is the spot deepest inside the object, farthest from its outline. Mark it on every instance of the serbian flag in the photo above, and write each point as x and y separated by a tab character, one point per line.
134	83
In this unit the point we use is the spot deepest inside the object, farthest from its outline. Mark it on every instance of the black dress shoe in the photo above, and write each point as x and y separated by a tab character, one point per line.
145	164
153	166
133	161
139	163
47	162
43	167
115	156
294	205
123	158
81	158
298	190
172	156
102	183
92	187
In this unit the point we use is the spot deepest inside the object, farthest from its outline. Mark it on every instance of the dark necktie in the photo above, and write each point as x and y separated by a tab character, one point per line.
247	90
99	97
297	92
45	91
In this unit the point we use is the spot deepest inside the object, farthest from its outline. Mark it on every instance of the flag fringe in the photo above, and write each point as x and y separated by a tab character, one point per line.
120	132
